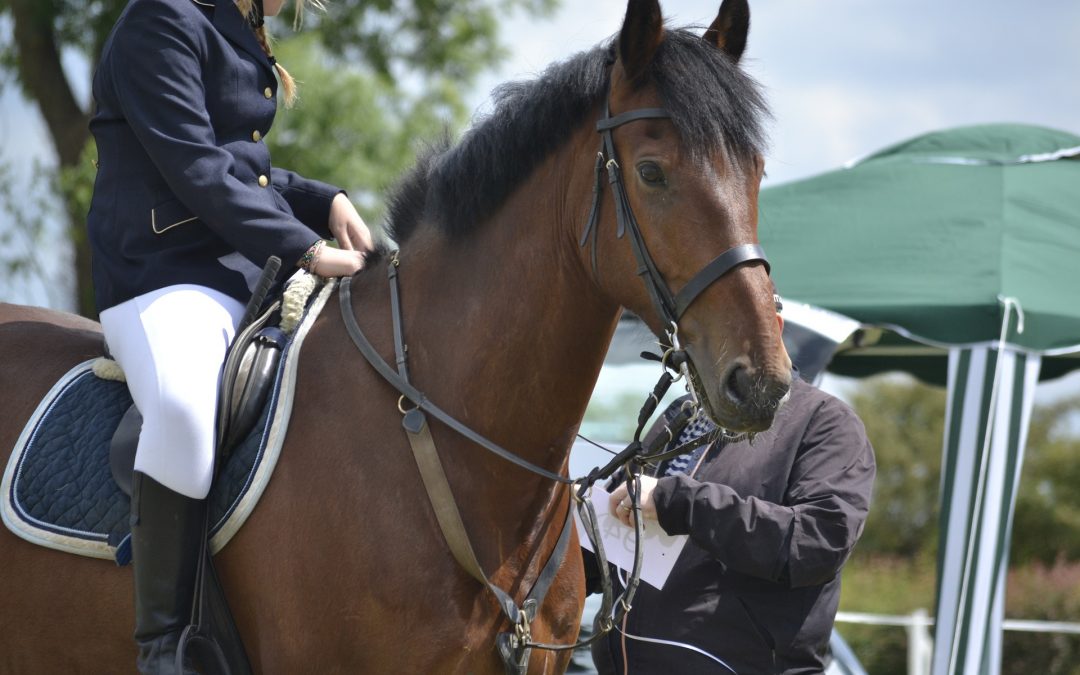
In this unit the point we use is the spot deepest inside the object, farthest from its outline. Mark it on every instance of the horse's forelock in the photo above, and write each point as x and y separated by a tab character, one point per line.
714	104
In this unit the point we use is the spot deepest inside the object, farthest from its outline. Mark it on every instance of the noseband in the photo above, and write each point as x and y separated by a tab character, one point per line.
669	306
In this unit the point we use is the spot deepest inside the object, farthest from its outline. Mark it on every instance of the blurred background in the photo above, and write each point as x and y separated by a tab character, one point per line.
844	78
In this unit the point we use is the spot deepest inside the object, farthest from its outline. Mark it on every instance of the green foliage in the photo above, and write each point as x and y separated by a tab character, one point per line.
355	129
1050	593
25	248
76	183
454	37
458	37
884	585
905	423
1047	521
84	24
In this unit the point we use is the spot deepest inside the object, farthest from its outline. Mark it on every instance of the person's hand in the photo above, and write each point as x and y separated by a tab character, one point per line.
348	228
337	262
619	502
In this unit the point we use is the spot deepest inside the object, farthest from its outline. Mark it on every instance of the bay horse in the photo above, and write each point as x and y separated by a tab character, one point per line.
342	567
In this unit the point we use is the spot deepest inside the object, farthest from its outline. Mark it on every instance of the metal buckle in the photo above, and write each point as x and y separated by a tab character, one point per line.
401	405
522	630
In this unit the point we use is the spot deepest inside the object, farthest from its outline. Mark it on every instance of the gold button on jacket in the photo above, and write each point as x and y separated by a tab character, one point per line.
268	93
263	181
255	135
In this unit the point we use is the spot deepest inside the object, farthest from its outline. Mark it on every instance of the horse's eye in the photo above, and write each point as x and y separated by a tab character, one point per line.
651	173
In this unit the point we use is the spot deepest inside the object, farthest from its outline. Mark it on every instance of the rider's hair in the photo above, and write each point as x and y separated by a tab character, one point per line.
248	9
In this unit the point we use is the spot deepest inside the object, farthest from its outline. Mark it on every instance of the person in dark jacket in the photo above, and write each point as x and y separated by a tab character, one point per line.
186	211
770	523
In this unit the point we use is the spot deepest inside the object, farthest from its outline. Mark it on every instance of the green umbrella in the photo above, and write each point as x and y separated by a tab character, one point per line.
928	234
959	253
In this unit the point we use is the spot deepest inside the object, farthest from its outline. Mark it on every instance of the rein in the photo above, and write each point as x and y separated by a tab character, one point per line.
515	647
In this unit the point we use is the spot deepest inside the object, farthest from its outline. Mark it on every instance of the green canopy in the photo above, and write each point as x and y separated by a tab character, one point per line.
959	254
930	234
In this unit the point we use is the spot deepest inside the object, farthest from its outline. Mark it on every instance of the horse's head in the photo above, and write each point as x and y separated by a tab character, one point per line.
685	160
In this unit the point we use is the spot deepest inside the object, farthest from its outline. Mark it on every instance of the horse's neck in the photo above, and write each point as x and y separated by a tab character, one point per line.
514	331
507	333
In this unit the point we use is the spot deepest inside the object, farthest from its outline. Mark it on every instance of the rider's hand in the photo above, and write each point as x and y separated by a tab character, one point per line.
337	262
348	227
619	502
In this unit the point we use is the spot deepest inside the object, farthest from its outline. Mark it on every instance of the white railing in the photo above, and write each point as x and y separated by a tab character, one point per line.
921	642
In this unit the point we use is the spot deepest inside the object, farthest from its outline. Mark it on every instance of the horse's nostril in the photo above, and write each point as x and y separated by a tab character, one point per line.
739	384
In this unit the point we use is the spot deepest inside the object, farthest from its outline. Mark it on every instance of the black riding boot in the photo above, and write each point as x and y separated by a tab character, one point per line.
166	533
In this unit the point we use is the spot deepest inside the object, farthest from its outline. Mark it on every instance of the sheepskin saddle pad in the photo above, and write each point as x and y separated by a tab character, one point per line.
59	491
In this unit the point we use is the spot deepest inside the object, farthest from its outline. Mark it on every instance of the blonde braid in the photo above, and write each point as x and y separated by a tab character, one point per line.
287	81
288	84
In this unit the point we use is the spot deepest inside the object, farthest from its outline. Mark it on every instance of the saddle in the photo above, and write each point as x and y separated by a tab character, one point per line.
246	381
67	484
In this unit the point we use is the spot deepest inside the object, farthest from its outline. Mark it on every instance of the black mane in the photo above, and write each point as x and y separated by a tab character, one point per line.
713	104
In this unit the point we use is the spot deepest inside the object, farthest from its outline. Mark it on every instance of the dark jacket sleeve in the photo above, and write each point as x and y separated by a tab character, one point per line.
309	199
803	541
159	89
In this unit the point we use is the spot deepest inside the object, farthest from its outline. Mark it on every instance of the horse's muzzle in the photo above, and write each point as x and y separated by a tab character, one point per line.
751	396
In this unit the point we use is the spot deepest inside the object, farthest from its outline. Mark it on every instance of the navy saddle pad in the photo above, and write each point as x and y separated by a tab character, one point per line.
62	484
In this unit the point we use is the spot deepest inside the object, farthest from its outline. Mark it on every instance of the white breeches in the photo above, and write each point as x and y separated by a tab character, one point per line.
171	344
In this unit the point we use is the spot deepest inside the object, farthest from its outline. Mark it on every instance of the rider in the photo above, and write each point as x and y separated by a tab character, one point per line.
186	209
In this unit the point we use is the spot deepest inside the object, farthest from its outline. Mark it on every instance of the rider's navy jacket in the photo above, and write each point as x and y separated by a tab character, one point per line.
185	192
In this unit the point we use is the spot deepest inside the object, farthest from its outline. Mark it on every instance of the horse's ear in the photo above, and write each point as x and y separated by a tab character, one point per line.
728	32
641	35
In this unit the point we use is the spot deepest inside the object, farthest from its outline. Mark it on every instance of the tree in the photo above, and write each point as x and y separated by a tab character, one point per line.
438	47
905	422
1046	526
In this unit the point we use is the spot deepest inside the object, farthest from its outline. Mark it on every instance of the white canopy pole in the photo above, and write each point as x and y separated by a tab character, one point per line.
991	392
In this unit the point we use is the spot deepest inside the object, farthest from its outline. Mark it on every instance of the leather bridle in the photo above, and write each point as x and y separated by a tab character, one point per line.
669	306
